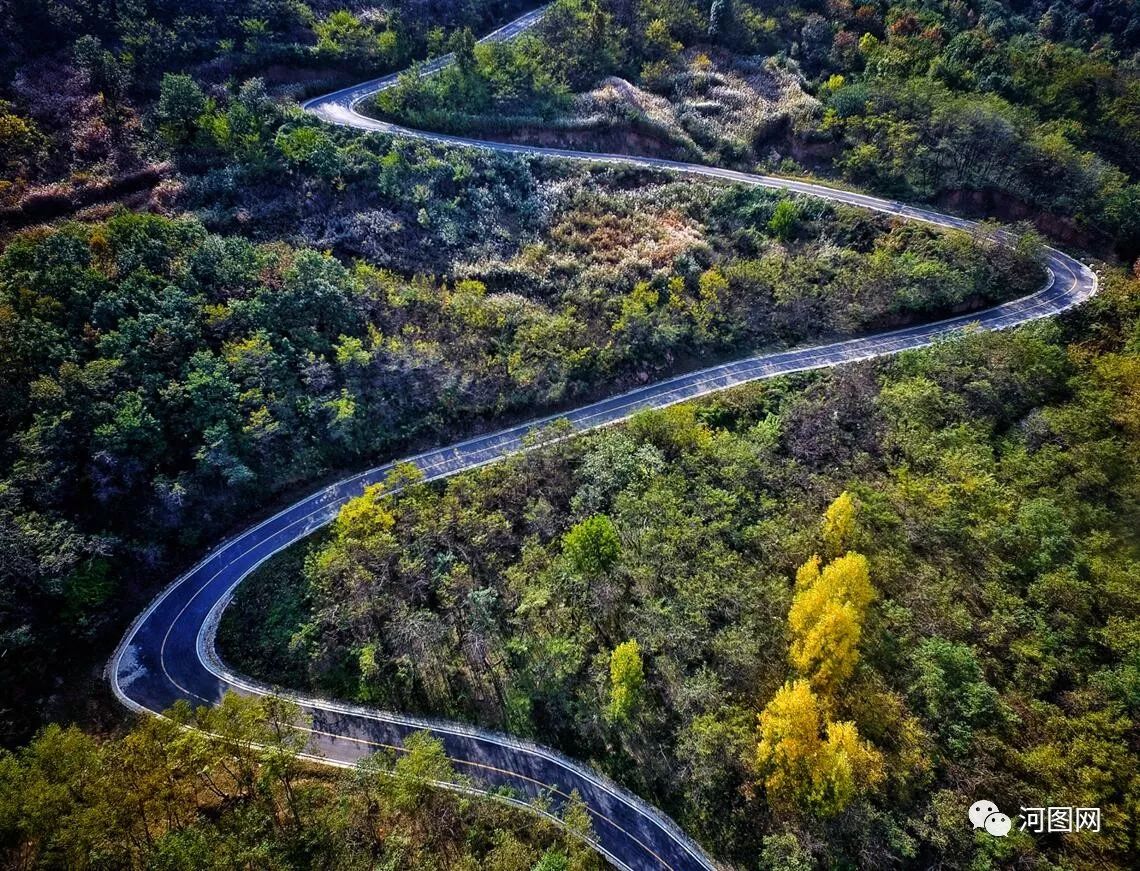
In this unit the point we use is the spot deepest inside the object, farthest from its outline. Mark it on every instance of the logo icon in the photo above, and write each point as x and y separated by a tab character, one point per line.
998	824
985	815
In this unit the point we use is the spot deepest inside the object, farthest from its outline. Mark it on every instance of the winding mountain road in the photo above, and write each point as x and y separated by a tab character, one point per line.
168	653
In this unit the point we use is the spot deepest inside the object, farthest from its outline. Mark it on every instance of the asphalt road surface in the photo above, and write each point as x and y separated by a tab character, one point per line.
168	653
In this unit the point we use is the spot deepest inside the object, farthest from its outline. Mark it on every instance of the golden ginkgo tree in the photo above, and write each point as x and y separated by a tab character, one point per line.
826	618
806	758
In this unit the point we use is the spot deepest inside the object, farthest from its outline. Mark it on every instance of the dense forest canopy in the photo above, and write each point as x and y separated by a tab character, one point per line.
210	301
162	378
928	564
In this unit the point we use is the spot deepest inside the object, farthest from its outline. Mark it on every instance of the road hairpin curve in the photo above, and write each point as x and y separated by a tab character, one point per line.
168	653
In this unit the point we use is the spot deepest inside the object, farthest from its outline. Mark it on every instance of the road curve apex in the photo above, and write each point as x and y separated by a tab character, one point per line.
168	654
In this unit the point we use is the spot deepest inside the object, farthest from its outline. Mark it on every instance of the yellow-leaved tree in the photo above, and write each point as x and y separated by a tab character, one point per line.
806	759
627	676
826	618
839	523
809	761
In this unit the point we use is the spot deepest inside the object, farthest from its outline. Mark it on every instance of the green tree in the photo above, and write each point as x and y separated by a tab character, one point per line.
592	546
344	35
578	822
784	852
462	45
552	860
109	75
952	692
1123	214
659	42
20	140
422	764
180	106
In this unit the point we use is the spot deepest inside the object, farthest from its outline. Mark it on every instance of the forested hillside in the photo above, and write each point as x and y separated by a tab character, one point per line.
213	302
1014	108
929	562
168	797
162	379
82	93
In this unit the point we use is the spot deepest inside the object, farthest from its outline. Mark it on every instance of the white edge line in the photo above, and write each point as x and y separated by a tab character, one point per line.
811	189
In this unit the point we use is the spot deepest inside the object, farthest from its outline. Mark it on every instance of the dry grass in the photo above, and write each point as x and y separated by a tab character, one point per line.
714	106
602	245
